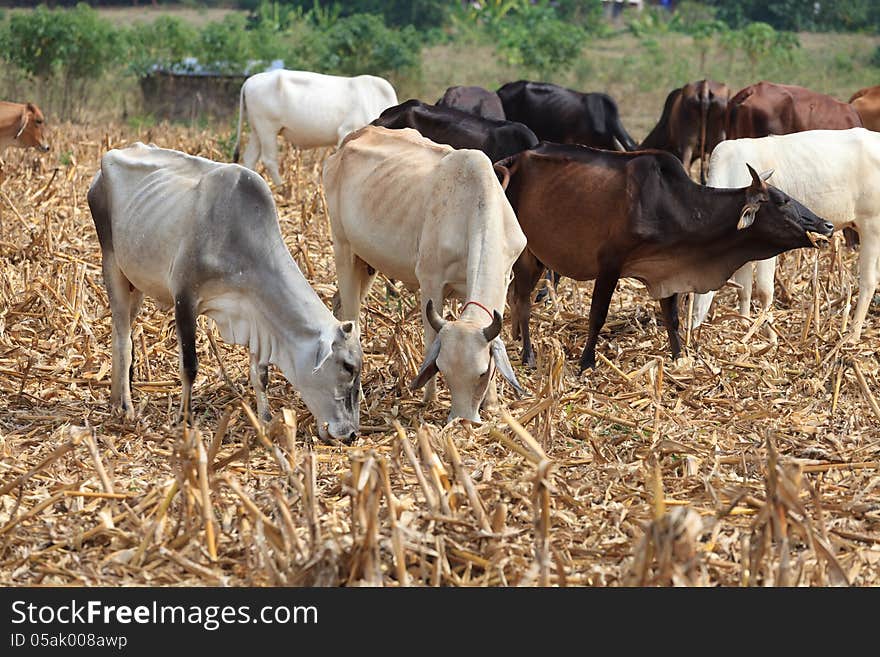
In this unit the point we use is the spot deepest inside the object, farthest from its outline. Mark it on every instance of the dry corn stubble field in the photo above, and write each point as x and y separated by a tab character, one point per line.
744	464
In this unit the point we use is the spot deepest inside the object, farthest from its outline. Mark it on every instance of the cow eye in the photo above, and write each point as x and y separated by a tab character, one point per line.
349	368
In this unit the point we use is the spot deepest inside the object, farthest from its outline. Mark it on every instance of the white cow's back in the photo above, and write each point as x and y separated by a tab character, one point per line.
310	108
815	167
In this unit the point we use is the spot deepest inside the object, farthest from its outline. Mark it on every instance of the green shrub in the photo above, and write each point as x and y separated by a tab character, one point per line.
76	43
362	43
533	37
166	41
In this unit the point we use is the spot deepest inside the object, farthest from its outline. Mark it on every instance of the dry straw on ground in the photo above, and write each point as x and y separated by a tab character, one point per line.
744	464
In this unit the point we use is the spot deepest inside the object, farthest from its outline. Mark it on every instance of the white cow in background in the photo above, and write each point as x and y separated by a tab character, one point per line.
203	237
436	219
311	110
835	173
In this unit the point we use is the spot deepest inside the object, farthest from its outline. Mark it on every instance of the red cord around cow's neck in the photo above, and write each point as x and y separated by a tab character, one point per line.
477	303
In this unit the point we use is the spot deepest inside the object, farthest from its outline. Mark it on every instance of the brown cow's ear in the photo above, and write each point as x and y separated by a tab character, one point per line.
747	218
757	181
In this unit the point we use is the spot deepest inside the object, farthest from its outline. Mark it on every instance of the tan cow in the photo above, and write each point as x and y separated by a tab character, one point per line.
21	124
436	219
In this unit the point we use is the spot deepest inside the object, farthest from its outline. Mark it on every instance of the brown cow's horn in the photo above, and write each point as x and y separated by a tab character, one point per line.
434	319
491	332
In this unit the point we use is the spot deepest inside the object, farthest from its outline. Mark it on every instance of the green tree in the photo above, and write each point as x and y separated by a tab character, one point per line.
76	46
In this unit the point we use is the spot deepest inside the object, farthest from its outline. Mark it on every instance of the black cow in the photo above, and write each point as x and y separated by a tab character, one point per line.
445	125
565	116
474	100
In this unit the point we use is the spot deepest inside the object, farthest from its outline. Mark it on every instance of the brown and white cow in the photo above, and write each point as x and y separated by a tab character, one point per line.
592	214
436	219
21	124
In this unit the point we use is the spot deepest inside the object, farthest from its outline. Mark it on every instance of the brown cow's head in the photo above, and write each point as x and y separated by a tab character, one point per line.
778	218
30	131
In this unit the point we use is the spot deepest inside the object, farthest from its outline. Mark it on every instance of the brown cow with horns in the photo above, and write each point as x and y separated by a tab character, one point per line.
593	214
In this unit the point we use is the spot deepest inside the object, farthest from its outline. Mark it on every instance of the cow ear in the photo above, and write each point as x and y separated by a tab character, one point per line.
747	218
757	181
502	362
765	175
325	348
428	368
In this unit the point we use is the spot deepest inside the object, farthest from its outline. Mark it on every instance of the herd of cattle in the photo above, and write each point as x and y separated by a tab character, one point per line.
473	197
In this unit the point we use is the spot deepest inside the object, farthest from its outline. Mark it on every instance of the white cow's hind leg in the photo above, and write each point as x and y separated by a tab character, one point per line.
119	291
869	276
269	151
765	273
252	151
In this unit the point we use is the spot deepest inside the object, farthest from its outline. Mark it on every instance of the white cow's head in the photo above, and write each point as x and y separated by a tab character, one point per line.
467	355
331	386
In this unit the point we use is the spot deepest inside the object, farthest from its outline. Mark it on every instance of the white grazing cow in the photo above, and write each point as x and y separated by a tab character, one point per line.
835	173
203	237
437	219
310	109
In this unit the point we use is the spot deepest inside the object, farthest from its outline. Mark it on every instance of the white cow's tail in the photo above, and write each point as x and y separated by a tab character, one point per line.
241	108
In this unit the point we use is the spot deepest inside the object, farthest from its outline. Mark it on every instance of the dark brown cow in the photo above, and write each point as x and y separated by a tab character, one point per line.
21	124
867	103
474	100
692	123
766	109
592	214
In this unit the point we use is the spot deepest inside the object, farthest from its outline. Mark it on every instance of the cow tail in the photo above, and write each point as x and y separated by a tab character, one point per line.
241	108
622	135
505	168
704	117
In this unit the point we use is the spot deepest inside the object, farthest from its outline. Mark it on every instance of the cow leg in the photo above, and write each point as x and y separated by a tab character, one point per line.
702	302
259	374
602	293
669	305
526	271
354	279
252	151
869	275
137	298
553	278
687	159
119	292
743	276
268	151
765	273
185	319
